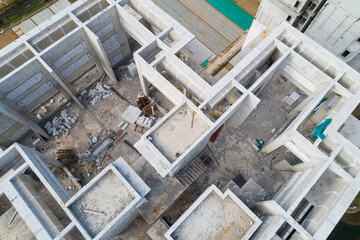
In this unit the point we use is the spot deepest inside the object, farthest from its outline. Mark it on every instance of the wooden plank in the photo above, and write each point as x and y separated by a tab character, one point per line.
12	218
94	212
220	61
201	30
214	18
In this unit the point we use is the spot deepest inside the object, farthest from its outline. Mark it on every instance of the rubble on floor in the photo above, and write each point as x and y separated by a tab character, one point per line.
145	122
100	91
61	124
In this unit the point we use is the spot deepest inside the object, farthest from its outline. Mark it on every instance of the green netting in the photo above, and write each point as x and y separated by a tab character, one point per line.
204	63
233	12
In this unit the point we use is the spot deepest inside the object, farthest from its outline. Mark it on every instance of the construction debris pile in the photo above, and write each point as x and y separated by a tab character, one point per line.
100	91
146	104
66	156
98	149
134	115
145	122
61	124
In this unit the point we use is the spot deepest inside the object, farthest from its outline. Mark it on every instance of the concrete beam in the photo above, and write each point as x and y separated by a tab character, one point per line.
10	112
96	44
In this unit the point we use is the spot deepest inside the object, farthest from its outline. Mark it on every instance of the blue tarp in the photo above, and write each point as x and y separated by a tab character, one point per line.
319	129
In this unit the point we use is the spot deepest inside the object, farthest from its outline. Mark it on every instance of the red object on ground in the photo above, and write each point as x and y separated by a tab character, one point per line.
216	134
118	133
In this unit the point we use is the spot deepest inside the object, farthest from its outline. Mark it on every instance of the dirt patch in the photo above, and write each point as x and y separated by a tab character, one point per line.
6	38
250	6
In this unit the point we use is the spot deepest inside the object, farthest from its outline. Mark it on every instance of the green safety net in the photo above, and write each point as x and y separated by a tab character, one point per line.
232	11
319	129
204	63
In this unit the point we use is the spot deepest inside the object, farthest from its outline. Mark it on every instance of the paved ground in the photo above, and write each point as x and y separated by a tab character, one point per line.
202	30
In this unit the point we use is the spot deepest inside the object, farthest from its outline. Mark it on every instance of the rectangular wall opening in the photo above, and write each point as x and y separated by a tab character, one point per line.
286	231
349	83
171	37
324	195
259	67
328	145
302	211
74	234
90	9
288	39
221	103
318	61
151	52
52	34
14	59
179	82
147	18
348	161
163	104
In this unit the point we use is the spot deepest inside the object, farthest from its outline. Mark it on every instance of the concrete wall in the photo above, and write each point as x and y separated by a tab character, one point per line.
313	69
108	29
331	23
32	208
337	28
207	193
72	57
53	55
18	188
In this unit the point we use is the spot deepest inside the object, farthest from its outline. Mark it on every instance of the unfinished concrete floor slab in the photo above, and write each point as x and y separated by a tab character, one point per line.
215	215
109	202
17	229
101	198
178	133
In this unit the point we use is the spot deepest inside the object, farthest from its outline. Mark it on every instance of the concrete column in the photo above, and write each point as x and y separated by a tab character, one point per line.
277	142
340	171
96	44
304	166
299	228
54	75
143	81
62	84
270	208
10	112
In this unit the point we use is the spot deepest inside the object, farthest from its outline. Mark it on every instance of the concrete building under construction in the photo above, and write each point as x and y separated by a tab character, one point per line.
266	150
331	23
